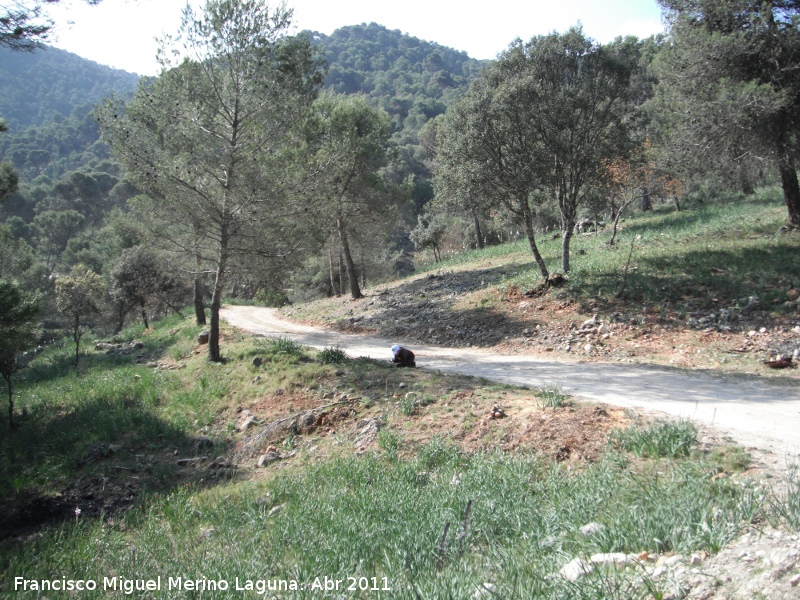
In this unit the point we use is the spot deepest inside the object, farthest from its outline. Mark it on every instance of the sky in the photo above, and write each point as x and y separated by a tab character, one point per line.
121	33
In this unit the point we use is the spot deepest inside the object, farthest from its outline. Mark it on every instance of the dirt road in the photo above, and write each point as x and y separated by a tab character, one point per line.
756	413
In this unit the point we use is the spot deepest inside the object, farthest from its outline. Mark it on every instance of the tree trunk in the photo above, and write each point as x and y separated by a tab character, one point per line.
121	313
791	189
355	292
76	335
334	291
216	298
341	274
478	232
144	317
646	204
566	237
199	305
528	219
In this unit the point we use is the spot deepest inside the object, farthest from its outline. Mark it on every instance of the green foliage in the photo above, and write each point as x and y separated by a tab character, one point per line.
662	438
17	332
730	88
785	503
139	279
521	136
333	355
347	141
429	233
37	86
411	79
77	297
389	442
54	229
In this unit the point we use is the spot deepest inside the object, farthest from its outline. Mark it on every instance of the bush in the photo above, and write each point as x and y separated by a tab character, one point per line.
332	355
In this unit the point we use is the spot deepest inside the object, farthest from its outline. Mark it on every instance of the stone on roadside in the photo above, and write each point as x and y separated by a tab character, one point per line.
202	337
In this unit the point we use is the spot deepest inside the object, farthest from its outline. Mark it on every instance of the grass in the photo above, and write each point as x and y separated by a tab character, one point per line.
672	439
333	355
551	397
385	519
720	249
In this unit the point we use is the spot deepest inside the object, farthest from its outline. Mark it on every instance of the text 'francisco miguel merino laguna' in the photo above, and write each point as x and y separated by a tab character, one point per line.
129	586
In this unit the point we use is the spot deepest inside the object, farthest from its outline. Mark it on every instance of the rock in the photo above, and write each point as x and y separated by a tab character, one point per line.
589	322
307	420
246	419
698	557
591	529
367	432
258	361
575	569
615	559
275	510
268	458
497	412
794	581
202	337
589	348
603	329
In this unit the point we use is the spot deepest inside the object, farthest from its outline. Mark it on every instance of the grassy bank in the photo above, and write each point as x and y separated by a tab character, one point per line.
135	468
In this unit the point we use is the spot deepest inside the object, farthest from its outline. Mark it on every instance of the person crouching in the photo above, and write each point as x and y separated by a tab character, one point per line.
403	357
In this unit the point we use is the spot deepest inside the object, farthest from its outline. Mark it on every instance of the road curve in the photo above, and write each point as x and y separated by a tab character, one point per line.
756	413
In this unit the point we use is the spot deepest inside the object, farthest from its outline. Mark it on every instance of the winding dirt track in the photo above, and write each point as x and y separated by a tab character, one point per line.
756	413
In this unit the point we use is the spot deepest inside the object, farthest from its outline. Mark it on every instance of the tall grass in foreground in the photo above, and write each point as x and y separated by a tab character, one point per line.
672	439
368	517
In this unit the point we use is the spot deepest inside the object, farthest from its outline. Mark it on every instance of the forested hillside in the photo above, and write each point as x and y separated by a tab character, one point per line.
411	79
37	86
